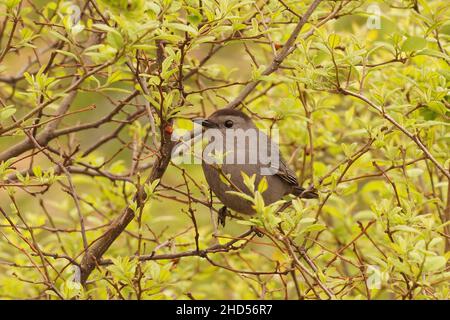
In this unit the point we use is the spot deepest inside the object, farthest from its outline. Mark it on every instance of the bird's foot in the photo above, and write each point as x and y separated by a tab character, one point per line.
221	218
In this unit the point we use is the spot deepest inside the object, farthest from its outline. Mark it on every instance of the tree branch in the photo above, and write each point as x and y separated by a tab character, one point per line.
413	137
287	49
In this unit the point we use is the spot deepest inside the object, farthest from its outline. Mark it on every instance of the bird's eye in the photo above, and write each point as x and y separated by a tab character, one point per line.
228	123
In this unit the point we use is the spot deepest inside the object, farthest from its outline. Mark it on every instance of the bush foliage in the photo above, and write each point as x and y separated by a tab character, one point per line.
93	92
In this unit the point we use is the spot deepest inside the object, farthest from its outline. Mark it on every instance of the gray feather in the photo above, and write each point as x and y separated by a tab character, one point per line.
286	174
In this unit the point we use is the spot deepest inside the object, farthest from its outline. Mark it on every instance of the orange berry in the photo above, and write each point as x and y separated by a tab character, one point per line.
168	129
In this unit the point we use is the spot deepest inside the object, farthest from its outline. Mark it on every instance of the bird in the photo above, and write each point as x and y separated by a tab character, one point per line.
228	176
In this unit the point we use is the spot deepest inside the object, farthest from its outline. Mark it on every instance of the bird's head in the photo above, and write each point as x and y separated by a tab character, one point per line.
227	119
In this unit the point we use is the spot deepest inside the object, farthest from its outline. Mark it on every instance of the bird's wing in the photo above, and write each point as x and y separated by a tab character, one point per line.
286	174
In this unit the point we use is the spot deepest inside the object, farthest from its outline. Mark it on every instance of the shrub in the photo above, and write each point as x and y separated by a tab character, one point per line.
92	93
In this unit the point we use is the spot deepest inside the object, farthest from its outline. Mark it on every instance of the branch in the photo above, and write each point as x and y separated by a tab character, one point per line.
287	49
96	250
50	132
447	219
413	137
229	246
45	136
92	256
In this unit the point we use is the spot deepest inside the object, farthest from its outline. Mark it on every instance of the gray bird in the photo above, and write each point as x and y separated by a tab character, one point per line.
281	183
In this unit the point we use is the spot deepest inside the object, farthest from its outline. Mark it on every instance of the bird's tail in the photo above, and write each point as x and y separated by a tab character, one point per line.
303	193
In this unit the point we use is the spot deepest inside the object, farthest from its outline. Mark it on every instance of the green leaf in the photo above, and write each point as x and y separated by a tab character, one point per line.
434	263
314	228
7	112
435	242
182	27
262	185
334	40
251	222
103	27
437	107
155	270
433	53
37	171
225	179
249	181
150	188
11	3
307	220
405	229
153	6
69	54
59	36
349	150
259	203
413	44
194	18
364	215
115	39
241	195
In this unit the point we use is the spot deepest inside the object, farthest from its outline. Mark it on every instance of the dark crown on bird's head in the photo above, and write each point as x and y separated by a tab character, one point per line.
229	112
230	118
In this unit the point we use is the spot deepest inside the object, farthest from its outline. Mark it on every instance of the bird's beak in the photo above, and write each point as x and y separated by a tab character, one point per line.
205	122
